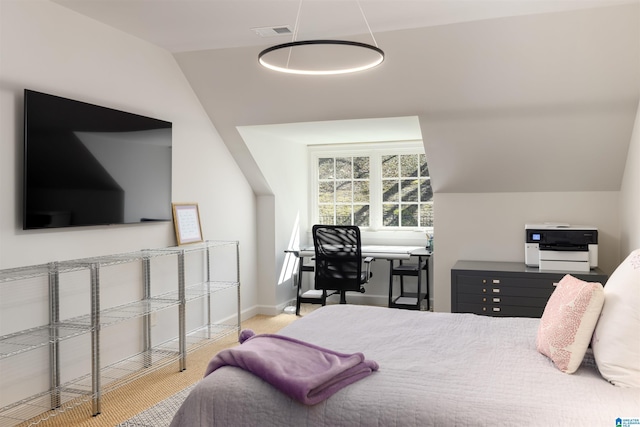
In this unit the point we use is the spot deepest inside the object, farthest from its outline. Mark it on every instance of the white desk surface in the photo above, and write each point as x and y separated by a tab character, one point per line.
377	251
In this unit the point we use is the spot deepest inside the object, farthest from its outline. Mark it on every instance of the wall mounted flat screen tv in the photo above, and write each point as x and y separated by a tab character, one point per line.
90	165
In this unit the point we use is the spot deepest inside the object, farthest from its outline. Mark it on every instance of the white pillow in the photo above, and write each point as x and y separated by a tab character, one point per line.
616	340
568	321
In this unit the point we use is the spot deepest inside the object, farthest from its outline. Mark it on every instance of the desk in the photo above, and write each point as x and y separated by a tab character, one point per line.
387	252
375	251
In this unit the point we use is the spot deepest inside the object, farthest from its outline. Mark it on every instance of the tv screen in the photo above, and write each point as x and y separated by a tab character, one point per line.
90	165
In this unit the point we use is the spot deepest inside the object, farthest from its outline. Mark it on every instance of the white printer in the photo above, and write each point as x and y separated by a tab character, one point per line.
561	247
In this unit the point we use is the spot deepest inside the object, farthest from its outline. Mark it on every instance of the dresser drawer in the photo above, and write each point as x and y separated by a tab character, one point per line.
507	290
499	300
501	311
487	280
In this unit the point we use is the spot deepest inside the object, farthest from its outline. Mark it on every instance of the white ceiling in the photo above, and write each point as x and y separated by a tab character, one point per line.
188	25
509	95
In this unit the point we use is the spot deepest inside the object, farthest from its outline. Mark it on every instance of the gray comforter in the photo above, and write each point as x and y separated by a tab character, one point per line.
436	369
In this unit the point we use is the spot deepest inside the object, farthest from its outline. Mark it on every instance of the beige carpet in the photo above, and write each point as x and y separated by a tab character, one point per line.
131	399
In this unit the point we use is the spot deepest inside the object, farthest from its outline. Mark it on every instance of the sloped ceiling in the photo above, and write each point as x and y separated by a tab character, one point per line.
522	103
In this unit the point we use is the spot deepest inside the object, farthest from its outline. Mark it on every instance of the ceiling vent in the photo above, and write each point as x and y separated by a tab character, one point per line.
282	30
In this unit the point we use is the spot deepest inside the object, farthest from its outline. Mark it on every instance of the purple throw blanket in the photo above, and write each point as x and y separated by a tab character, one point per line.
303	371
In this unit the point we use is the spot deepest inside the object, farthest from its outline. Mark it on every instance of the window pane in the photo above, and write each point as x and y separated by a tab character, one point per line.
325	192
390	191
344	191
361	216
409	190
343	215
361	192
389	166
410	216
390	216
409	165
424	168
426	192
426	215
361	167
325	168
343	167
325	215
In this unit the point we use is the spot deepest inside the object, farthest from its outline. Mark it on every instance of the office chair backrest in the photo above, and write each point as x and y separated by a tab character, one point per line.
338	262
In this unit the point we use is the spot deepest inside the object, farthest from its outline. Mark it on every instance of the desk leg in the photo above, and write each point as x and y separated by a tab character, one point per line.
426	291
299	284
419	293
390	282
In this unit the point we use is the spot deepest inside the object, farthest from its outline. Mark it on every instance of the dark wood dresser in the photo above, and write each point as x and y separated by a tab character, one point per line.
507	288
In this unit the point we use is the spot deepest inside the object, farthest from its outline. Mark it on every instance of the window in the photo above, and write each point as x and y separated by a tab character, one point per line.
343	191
373	186
407	198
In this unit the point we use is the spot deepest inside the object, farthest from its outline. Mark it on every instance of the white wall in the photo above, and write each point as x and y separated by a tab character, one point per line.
630	195
284	165
48	48
490	227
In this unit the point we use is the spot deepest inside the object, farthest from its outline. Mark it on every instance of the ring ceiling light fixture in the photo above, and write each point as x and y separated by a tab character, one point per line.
322	57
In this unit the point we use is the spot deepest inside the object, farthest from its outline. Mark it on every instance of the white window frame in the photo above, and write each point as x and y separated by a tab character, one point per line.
374	151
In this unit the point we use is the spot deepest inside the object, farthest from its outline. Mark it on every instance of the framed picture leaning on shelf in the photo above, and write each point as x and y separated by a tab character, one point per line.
186	219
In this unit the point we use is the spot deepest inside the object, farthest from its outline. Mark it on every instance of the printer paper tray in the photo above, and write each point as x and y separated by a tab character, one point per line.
581	266
563	256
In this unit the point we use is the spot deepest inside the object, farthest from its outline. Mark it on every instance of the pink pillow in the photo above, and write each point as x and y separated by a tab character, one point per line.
568	321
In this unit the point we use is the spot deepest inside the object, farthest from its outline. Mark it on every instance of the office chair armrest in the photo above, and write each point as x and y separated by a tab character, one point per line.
367	263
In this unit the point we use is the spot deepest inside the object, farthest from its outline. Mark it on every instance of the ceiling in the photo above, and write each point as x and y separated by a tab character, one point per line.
509	95
188	25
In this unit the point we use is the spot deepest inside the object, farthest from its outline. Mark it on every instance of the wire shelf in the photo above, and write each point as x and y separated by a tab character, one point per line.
202	246
24	273
113	315
49	280
42	406
30	339
200	290
205	335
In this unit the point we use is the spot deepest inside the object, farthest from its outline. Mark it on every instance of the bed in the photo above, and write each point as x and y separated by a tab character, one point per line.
435	369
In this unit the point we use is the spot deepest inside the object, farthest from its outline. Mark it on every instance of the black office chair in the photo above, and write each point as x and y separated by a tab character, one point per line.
338	260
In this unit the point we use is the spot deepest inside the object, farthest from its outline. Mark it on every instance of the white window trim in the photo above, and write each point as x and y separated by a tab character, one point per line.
375	151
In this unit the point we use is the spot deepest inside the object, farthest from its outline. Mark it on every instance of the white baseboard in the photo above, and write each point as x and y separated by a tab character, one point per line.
352	298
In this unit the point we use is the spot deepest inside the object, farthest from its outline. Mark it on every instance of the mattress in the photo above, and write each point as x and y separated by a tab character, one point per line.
436	369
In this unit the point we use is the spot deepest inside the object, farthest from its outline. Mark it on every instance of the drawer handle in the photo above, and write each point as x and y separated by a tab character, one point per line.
484	299
496	308
496	290
555	283
495	281
484	308
484	290
496	300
